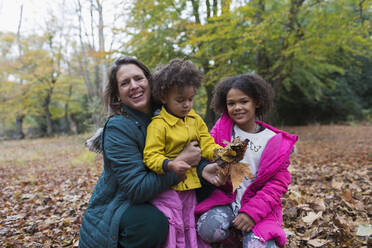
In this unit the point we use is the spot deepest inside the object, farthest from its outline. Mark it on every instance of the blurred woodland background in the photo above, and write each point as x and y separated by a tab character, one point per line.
315	53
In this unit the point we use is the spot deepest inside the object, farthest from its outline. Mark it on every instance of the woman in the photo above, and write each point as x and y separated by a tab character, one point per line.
118	213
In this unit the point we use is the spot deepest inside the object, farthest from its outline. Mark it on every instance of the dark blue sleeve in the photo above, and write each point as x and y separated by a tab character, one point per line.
207	188
134	178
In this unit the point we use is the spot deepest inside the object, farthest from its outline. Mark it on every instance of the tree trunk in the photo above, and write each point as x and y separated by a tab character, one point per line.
19	127
2	128
195	7
215	8
20	117
48	116
83	62
66	110
96	84
74	125
210	115
208	5
286	59
262	59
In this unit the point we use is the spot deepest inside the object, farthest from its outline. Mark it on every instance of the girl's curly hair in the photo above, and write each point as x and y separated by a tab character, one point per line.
177	73
252	85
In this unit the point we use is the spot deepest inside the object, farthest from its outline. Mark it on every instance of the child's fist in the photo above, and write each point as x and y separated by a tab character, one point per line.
179	167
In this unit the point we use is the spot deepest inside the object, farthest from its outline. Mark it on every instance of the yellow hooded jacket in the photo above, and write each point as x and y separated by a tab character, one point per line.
167	135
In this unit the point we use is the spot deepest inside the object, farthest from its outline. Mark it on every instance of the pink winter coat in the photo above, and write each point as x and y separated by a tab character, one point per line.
261	200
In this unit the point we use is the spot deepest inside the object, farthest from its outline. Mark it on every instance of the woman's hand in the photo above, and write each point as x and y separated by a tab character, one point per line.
191	154
210	173
243	222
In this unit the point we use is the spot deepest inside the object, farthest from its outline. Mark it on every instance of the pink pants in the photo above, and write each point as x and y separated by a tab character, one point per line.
178	207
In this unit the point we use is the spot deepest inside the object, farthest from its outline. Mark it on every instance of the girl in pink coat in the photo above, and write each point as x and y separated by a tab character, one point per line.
254	210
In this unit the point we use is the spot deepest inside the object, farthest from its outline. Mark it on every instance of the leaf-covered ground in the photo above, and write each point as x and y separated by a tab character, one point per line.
46	185
45	188
329	202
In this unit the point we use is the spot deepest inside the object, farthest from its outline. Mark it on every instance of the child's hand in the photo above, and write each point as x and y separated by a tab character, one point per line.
243	222
179	167
191	154
210	173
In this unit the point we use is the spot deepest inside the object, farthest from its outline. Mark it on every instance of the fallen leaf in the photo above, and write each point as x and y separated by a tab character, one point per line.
288	232
292	212
238	172
347	195
364	230
3	231
318	205
45	195
311	217
342	223
27	196
317	242
337	184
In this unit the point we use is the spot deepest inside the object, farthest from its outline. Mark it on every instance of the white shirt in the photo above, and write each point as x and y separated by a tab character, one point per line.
256	145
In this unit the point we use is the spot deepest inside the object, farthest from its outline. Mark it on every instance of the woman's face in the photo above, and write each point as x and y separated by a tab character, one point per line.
133	86
242	109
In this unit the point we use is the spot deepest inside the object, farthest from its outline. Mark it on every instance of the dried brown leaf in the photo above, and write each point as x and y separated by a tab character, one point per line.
311	217
238	172
318	242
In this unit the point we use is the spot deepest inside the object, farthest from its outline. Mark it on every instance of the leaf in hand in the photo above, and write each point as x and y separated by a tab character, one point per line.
229	157
238	172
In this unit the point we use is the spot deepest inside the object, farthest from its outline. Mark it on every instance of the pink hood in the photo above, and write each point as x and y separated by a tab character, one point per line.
261	201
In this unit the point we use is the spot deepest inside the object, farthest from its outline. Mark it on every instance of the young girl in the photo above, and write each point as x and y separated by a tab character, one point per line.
168	133
254	209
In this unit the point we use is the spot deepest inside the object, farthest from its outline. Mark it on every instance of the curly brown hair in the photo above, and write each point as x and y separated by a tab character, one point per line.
252	85
111	92
177	73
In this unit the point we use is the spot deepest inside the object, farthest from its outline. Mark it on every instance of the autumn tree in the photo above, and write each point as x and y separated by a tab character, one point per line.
162	30
293	44
92	56
8	88
13	87
51	87
315	54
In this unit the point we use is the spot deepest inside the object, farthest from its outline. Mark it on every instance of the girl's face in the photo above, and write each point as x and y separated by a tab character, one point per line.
179	101
242	109
134	89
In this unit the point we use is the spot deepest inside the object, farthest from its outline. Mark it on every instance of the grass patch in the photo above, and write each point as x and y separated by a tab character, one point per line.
84	158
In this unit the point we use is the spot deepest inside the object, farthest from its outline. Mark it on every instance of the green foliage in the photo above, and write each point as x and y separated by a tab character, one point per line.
34	85
348	100
316	54
156	30
298	46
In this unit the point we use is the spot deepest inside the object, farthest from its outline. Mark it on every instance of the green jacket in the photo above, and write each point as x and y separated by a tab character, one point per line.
125	180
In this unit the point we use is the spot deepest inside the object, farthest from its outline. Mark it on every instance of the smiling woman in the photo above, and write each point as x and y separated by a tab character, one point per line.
129	83
133	87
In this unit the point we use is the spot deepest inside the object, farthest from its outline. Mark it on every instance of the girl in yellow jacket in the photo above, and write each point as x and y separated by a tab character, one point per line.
168	133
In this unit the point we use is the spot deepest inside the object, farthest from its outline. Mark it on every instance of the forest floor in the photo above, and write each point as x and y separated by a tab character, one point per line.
46	184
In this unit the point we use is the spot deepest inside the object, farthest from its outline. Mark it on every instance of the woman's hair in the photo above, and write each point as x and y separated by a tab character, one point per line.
252	85
177	73
111	93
